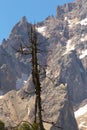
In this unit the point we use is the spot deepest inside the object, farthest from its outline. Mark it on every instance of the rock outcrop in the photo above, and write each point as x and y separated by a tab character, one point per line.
64	43
15	107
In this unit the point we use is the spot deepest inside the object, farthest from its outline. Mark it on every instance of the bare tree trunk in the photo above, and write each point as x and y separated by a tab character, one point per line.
36	78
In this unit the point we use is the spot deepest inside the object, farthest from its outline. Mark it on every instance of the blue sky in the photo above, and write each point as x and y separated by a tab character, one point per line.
11	11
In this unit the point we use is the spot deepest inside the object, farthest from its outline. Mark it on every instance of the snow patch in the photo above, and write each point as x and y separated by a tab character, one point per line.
21	81
82	125
83	22
84	53
81	111
69	47
83	35
65	18
84	38
1	97
42	30
69	23
72	22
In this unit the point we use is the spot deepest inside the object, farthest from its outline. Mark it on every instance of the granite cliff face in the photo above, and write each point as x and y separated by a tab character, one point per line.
19	106
64	43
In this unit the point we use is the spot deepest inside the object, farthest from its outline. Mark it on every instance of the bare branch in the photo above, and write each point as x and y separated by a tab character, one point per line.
21	123
22	50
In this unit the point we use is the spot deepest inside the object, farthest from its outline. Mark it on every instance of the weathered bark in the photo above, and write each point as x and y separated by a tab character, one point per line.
36	77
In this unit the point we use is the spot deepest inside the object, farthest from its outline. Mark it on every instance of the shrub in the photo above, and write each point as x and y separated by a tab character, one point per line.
25	126
35	126
2	125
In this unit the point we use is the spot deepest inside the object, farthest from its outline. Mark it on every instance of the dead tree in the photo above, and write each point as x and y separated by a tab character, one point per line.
33	50
36	77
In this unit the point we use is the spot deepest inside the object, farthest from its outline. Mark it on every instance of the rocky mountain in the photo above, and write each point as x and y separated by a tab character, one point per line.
63	40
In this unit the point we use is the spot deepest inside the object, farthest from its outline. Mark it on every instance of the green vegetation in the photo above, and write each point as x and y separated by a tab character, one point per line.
25	126
21	126
2	125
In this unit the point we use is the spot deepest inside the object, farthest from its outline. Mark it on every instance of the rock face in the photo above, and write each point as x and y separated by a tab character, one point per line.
12	66
64	43
14	108
75	9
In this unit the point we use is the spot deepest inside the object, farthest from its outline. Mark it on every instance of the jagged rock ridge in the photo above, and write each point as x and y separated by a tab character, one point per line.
66	63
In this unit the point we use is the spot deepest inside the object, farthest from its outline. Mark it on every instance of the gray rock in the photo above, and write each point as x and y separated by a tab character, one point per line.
64	42
55	104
